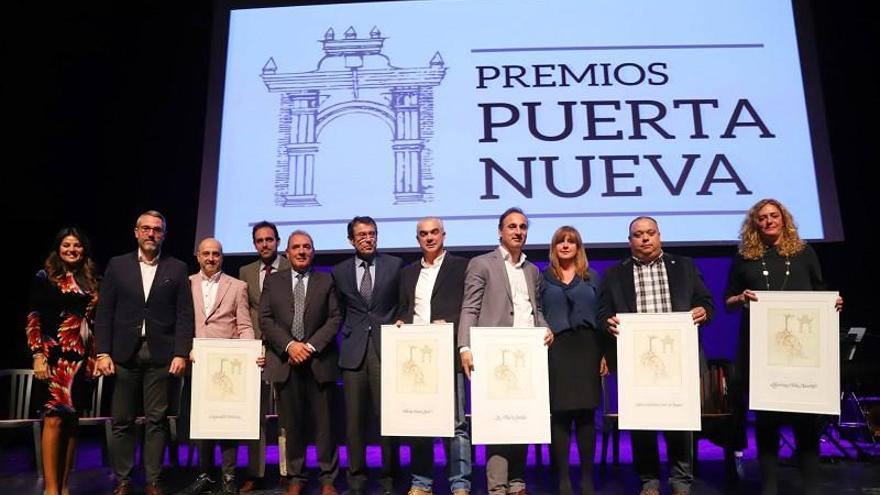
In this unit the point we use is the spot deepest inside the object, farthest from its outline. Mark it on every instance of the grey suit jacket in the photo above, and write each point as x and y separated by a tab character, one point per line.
487	298
250	273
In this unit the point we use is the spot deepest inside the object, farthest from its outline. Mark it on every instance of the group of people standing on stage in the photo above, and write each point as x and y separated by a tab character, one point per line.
318	326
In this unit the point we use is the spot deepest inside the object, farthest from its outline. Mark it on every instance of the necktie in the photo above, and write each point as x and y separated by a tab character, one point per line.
366	283
267	269
299	302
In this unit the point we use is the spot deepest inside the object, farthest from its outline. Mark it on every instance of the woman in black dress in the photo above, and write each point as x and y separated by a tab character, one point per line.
570	300
63	298
772	256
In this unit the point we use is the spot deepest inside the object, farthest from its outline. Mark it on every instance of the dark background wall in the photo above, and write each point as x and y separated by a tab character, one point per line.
104	114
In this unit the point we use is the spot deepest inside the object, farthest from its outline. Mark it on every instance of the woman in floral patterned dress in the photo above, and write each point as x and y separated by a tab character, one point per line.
64	295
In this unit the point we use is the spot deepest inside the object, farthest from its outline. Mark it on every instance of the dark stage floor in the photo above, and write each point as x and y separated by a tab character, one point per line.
92	477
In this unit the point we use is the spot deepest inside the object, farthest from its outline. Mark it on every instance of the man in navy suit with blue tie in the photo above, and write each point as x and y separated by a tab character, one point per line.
367	287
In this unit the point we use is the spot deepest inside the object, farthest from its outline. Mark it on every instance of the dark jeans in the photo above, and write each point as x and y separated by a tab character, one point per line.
646	458
458	448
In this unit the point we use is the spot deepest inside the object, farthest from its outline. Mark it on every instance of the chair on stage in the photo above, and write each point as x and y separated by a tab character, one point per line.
858	371
717	417
19	406
92	416
178	422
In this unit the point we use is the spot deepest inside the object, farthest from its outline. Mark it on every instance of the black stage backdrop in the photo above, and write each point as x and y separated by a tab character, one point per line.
105	113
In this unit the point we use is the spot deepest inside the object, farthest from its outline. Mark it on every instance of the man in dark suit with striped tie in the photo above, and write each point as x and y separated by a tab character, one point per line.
299	315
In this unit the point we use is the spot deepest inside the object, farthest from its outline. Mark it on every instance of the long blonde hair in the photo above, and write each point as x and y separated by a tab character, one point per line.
752	247
581	264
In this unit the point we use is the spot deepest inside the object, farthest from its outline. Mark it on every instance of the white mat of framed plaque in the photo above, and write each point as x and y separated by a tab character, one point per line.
510	394
225	389
794	349
418	397
658	360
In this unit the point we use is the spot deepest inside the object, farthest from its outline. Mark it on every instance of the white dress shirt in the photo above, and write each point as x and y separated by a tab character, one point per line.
424	289
209	290
148	274
523	316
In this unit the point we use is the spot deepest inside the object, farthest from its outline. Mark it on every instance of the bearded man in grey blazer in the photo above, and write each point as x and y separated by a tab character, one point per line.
502	289
265	236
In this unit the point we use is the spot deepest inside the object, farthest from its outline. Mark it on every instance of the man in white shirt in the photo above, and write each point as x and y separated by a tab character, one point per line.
221	312
143	334
502	289
430	292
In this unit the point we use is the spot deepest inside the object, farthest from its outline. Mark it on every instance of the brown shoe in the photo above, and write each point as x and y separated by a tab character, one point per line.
294	488
123	489
461	492
248	486
418	491
650	492
328	490
153	489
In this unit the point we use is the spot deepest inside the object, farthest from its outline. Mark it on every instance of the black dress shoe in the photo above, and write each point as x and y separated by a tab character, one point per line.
228	486
202	484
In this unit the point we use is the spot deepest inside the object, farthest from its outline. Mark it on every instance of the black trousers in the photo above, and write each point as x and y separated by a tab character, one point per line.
228	451
228	448
560	442
300	396
806	429
140	381
361	388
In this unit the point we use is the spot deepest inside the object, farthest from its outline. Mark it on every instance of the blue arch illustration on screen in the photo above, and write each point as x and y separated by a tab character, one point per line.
354	77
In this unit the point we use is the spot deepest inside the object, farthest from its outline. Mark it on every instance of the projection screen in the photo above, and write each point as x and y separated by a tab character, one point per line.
581	112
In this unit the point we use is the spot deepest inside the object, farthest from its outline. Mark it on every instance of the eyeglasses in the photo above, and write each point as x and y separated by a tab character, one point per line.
365	235
146	229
